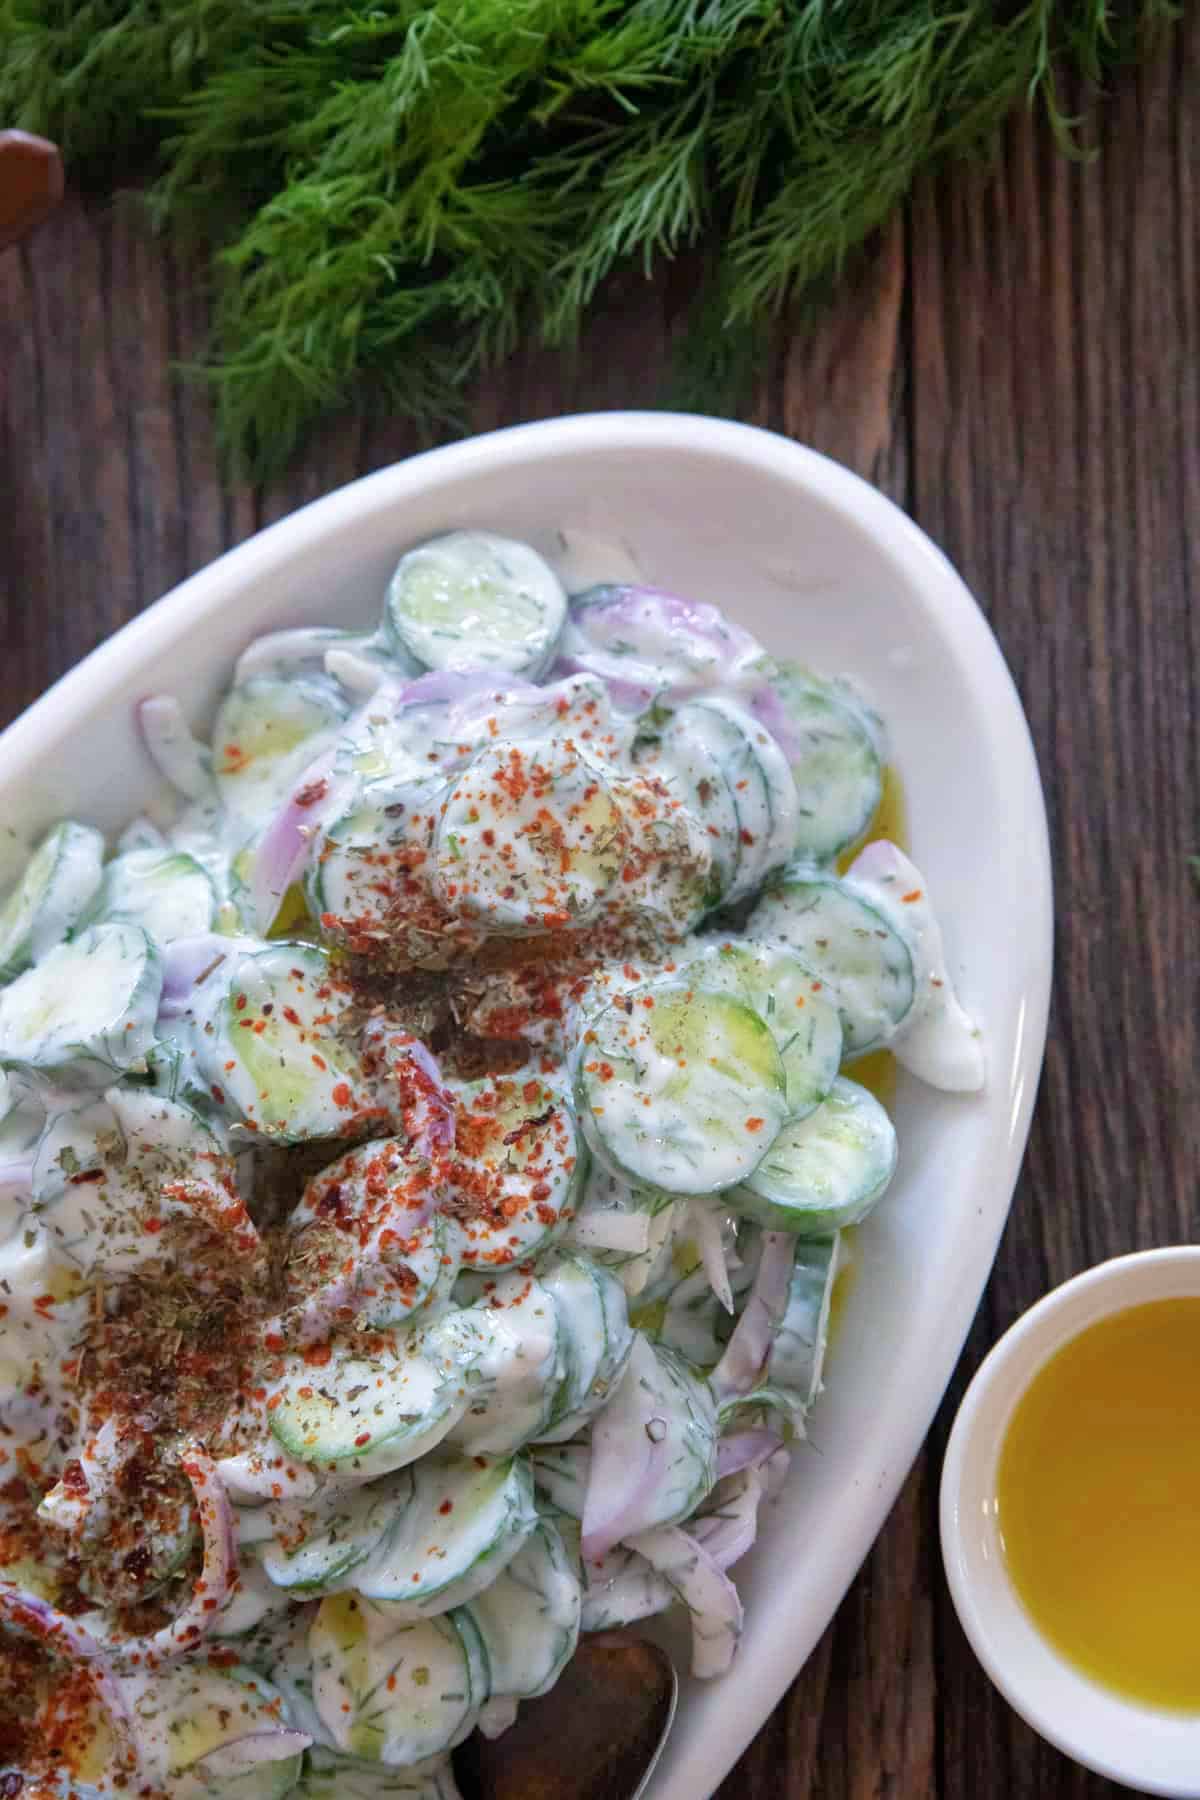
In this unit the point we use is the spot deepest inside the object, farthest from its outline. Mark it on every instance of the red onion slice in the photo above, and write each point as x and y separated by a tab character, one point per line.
706	1225
746	1450
729	1532
631	1457
747	1350
217	1577
186	964
228	1761
172	749
29	1614
281	851
705	1590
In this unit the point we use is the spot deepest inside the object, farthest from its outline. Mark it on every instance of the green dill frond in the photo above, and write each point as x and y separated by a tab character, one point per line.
396	192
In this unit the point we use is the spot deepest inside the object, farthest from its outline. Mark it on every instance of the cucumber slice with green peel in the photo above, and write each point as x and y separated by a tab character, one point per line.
620	1588
392	1691
529	1617
363	1214
667	876
826	1171
266	733
375	860
475	600
166	892
560	1474
519	1168
362	1415
505	1360
58	884
102	1176
834	755
267	1047
184	1715
688	750
681	1087
848	943
332	1777
593	1313
319	1546
798	1352
86	1012
531	838
467	1518
760	780
799	1008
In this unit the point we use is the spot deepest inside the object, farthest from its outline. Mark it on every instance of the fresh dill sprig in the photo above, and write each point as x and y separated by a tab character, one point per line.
396	192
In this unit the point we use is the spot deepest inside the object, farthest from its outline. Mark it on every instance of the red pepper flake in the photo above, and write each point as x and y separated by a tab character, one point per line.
240	1003
319	1061
342	1096
317	1355
218	1094
87	1175
312	792
755	1124
447	1506
364	1437
291	1015
909	898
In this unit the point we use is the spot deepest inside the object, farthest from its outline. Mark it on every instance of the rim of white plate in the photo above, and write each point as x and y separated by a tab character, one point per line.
699	1758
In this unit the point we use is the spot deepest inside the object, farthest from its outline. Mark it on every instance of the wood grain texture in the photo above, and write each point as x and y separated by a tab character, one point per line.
1018	363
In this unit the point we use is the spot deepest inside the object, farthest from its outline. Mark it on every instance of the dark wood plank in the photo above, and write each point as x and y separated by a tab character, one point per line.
1056	456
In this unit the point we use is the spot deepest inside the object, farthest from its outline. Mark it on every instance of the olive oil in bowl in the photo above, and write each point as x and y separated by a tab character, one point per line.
1098	1502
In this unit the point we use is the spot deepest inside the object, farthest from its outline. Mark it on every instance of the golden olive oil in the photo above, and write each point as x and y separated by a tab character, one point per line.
1098	1497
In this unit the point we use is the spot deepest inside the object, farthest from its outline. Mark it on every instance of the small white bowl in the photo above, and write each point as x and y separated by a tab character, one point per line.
1156	1752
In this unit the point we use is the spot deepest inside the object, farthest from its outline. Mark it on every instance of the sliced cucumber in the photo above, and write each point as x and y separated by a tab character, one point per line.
102	1175
758	776
825	1171
529	1617
793	1002
530	839
519	1168
165	892
372	864
362	1415
474	600
560	1473
667	876
598	1337
505	1359
59	882
798	1352
268	1050
848	943
318	1547
332	1777
466	1520
183	1715
681	1087
392	1691
85	1012
834	755
363	1212
659	643
620	1588
688	750
266	733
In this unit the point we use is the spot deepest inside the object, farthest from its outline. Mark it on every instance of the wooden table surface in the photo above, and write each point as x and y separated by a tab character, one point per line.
1018	364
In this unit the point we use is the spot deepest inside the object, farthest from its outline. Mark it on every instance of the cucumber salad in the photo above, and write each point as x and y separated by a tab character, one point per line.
426	1148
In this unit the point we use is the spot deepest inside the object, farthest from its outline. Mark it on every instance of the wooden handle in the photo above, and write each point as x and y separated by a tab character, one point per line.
31	183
